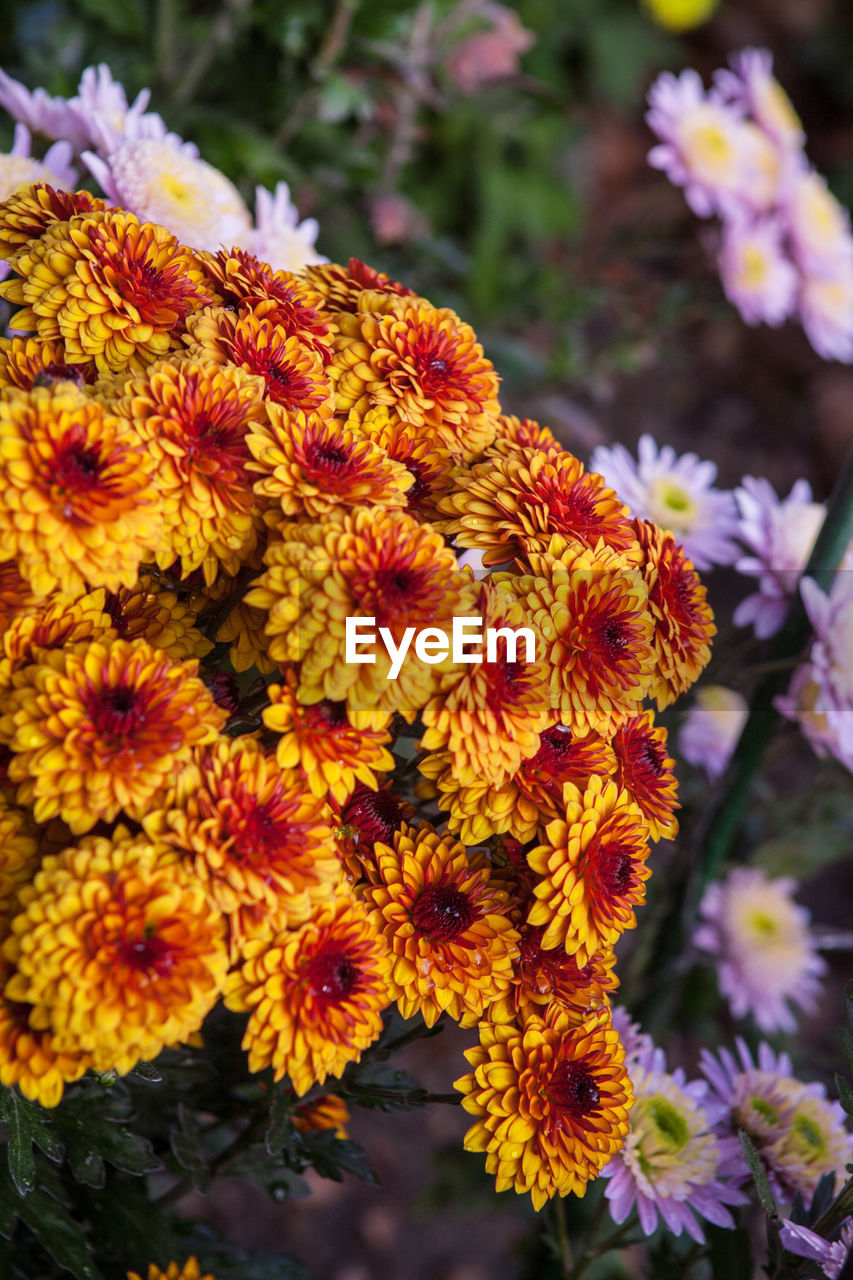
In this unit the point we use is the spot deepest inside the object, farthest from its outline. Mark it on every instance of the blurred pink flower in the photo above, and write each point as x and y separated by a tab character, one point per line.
489	55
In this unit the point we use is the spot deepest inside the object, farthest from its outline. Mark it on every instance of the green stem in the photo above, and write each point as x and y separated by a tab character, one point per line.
563	1246
329	53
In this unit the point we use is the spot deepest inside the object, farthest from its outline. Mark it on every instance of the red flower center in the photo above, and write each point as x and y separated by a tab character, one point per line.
331	974
442	913
76	467
116	713
613	869
332	713
375	815
572	1088
148	954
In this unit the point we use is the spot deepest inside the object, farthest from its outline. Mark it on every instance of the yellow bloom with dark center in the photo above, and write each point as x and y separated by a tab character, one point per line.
292	371
551	1102
244	281
562	757
342	287
644	768
115	290
25	362
515	434
545	976
315	995
444	920
28	213
253	835
29	1057
16	595
321	742
45	627
490	718
367	563
19	857
118	950
366	818
478	809
590	612
513	505
593	870
310	463
244	630
318	1114
195	418
430	463
424	363
147	611
175	1271
683	619
100	728
77	505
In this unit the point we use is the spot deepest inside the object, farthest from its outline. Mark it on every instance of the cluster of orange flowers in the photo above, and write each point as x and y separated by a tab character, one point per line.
206	467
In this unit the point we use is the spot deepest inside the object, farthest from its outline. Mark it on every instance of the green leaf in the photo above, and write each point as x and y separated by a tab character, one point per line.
89	1121
384	1088
765	1195
256	1166
845	1094
28	1126
125	19
333	1157
147	1071
52	1225
185	1142
281	1137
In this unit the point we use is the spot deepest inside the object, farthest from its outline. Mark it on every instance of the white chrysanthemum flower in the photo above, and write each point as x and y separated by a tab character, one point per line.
677	493
765	954
780	534
103	110
758	276
279	238
671	1162
711	728
42	113
703	147
161	183
751	84
826	311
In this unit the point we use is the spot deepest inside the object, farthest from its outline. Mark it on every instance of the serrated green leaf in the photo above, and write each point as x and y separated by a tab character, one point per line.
281	1137
90	1121
147	1071
332	1157
759	1176
255	1165
383	1088
845	1094
28	1126
187	1149
51	1224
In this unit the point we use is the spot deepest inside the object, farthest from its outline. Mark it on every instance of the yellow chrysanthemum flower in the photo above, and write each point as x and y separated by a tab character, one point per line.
515	434
19	857
342	288
430	463
546	976
101	728
29	1057
645	769
551	1101
445	924
315	995
593	870
245	282
27	214
189	1271
77	505
328	1111
16	595
118	950
49	626
147	611
28	362
681	15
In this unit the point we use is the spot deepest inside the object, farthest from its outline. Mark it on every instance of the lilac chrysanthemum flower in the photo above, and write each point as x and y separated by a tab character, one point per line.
831	1255
752	85
638	1045
827	728
703	147
279	238
818	224
673	1163
677	493
711	728
831	616
780	534
826	311
765	954
42	113
757	275
799	1134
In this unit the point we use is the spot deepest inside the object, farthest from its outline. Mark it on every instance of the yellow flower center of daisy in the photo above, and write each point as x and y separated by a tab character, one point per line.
673	504
764	1109
776	107
671	1126
752	273
707	145
764	924
807	1135
180	192
822	211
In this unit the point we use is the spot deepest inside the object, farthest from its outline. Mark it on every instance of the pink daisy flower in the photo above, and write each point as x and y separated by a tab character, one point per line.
711	728
752	85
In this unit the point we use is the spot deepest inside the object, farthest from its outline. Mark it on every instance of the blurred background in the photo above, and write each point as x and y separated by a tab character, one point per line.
492	157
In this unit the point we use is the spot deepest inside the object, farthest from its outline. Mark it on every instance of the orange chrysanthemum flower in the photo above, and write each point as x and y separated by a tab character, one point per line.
148	612
548	975
244	281
189	1271
292	370
367	817
522	434
445	924
101	728
29	1057
644	768
562	758
590	612
684	621
115	290
478	809
593	870
310	462
25	362
320	741
28	213
77	505
490	719
253	836
551	1101
424	363
513	505
19	857
244	630
328	1111
342	287
367	563
315	995
194	418
16	595
430	463
118	949
48	626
